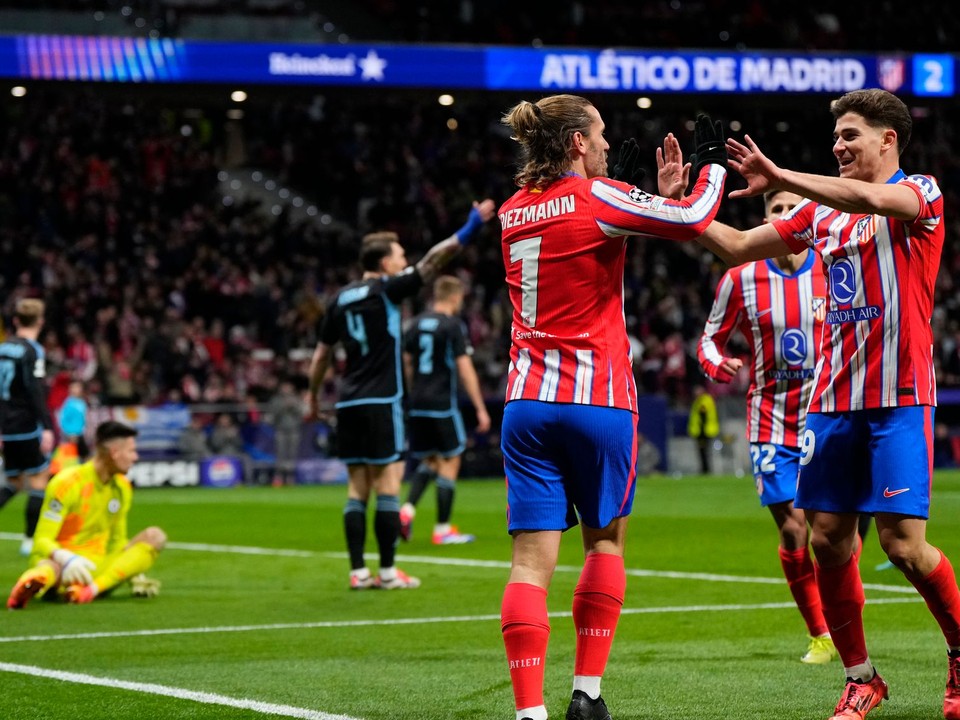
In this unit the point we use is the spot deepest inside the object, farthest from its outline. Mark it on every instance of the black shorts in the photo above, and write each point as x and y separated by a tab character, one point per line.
370	434
23	457
441	435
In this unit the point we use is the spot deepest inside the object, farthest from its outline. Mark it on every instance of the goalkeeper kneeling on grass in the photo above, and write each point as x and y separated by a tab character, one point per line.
81	546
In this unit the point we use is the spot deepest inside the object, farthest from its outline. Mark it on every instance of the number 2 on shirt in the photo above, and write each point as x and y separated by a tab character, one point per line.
426	354
527	252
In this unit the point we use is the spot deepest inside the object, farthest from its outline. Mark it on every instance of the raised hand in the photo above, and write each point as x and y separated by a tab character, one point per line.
756	168
673	175
708	139
628	168
485	209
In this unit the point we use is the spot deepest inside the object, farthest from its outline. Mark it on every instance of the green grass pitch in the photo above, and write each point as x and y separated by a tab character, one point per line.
265	627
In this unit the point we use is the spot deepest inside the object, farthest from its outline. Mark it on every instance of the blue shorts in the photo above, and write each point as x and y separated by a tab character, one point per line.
868	461
562	460
775	469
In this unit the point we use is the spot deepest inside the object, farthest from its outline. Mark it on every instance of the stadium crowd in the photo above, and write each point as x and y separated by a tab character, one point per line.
157	290
730	24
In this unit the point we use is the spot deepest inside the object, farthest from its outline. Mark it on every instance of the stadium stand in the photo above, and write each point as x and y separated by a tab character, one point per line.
164	284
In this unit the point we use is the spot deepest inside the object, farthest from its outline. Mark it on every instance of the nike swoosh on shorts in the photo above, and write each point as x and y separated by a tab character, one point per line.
888	493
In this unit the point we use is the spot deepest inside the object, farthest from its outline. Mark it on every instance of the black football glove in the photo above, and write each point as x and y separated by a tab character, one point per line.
628	168
709	142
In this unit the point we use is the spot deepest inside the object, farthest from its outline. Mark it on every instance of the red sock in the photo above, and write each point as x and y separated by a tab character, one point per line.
841	595
596	608
939	589
857	548
526	630
798	569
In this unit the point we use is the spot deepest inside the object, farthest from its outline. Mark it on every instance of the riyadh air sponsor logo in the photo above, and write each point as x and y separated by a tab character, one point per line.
843	281
856	314
888	493
793	347
792	374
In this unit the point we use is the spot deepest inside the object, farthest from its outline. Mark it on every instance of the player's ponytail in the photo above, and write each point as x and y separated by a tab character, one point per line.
545	130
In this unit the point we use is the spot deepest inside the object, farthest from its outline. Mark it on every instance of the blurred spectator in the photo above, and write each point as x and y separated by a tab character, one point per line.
286	411
703	425
192	442
72	418
225	437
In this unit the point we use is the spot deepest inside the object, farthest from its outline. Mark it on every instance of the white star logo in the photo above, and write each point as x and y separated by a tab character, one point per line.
372	66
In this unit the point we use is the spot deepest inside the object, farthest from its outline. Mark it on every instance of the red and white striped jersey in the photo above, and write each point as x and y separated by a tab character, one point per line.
564	250
780	316
877	346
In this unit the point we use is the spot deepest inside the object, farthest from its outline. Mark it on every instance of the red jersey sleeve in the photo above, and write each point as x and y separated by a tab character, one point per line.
621	209
796	227
724	315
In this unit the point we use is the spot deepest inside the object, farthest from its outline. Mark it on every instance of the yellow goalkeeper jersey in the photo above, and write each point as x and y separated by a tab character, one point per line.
83	514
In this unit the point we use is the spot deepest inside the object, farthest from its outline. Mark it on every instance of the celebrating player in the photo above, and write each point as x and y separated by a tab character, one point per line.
778	306
365	318
867	445
570	427
26	427
435	354
81	545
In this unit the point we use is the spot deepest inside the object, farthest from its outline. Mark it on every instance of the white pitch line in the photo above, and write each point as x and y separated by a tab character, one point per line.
406	621
174	692
495	564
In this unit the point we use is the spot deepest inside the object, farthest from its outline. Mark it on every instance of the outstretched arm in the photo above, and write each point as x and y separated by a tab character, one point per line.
844	194
444	251
736	247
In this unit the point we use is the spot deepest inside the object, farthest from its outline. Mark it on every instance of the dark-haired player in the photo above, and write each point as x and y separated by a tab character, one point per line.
364	318
867	445
81	544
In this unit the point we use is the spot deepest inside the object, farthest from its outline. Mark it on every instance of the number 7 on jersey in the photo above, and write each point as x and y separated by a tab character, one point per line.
527	252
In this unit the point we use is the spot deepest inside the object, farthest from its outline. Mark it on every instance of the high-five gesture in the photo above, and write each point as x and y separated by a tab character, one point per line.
708	140
756	168
673	175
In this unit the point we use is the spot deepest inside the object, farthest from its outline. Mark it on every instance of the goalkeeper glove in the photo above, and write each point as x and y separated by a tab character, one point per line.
711	147
628	168
74	569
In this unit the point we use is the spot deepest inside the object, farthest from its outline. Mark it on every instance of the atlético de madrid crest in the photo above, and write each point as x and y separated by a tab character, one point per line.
819	307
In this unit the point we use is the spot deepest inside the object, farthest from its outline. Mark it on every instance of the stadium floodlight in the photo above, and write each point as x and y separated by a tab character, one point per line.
238	96
18	91
644	103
